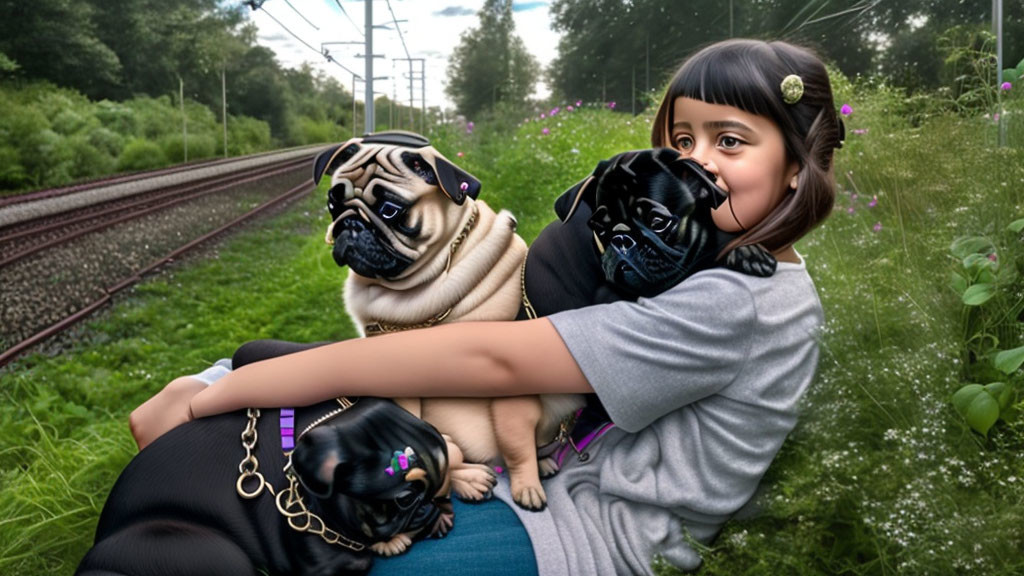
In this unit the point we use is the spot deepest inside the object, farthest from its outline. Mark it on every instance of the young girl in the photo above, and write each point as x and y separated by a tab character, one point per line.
701	381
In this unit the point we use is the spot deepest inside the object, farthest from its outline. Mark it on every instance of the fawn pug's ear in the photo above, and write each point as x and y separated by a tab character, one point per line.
455	182
329	160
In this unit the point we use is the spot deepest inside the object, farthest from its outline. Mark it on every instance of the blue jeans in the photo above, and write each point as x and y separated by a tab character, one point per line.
487	540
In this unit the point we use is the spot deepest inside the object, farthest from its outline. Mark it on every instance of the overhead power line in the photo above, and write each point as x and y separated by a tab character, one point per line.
259	6
400	37
354	25
301	15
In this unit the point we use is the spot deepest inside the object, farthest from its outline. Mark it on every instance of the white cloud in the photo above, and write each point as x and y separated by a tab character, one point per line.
432	31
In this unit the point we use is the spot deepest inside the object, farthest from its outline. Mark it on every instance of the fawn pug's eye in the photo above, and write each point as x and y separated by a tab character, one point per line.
389	210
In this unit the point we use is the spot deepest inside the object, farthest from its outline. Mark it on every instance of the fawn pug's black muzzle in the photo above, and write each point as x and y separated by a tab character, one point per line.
651	218
360	238
377	184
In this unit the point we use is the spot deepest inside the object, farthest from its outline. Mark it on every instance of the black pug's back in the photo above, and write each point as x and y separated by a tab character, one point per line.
175	508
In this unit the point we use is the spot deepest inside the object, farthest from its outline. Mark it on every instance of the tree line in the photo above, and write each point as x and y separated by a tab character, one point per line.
621	50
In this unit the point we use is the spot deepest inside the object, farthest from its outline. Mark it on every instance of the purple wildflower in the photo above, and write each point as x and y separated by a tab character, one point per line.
846	110
569	108
851	210
612	104
1006	86
874	202
545	131
554	111
579	103
469	127
877	227
992	257
860	131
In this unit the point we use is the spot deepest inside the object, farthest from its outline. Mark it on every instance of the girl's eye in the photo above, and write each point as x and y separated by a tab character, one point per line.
389	210
730	142
684	142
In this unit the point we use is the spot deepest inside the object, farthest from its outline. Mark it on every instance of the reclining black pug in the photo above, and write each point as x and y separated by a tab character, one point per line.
405	222
361	474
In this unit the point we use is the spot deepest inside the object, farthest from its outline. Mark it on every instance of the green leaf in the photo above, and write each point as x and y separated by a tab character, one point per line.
1010	75
965	245
975	261
1016	226
959	283
1008	361
977	406
978	294
963	397
1002	392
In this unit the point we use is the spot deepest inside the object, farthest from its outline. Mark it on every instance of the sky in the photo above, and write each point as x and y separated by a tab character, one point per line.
431	31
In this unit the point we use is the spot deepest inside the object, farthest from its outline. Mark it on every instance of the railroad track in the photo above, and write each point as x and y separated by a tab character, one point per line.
64	253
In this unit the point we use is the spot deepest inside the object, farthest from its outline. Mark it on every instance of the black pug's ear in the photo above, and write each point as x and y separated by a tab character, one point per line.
585	190
569	201
751	259
330	159
320	462
455	182
701	183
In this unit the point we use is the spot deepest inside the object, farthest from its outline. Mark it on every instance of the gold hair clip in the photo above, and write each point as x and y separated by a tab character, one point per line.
792	89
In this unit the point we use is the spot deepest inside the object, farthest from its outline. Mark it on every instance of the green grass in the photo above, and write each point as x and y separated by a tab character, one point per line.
880	477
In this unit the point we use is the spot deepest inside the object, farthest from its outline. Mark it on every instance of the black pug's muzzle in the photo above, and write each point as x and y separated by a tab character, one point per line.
377	473
651	218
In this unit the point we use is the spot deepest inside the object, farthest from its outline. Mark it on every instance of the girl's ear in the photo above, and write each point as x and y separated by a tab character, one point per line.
793	172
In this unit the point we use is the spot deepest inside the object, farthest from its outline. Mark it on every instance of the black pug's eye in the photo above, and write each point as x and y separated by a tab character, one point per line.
658	223
389	210
407	499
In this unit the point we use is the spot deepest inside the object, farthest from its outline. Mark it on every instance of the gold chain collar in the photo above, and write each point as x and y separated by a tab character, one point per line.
289	501
378	328
527	306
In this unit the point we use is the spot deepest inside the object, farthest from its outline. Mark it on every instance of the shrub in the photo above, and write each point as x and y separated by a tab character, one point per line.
141	154
247	135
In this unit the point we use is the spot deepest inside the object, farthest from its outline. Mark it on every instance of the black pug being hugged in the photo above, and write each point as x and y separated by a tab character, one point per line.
640	224
178	508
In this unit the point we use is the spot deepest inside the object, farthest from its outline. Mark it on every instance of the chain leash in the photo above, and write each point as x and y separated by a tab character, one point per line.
289	501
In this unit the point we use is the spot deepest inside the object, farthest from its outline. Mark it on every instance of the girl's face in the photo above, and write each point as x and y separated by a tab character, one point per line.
745	151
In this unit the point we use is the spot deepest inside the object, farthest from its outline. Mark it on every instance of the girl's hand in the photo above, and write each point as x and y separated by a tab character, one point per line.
164	411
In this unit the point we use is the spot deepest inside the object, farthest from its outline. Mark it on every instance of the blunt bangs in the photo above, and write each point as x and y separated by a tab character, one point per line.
731	75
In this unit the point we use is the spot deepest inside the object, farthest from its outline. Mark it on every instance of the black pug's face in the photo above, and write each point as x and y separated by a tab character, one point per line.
375	472
652	220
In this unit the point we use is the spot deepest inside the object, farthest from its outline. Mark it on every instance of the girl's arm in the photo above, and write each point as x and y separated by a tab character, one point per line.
463	359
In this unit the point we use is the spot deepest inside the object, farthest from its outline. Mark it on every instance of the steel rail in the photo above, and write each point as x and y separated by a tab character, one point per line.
190	191
132	176
8	355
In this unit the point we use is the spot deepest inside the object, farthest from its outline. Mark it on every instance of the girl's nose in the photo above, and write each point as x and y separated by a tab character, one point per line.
702	155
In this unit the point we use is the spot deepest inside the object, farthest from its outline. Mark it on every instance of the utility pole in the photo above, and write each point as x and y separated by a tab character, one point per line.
370	123
224	107
997	15
184	119
422	79
423	93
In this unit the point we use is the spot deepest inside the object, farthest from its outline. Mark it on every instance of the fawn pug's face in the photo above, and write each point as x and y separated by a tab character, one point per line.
394	201
650	218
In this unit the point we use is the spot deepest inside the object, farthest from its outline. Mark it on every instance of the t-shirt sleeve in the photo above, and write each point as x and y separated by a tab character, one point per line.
647	358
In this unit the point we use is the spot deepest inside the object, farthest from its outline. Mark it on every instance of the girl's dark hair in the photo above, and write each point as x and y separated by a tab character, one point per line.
747	74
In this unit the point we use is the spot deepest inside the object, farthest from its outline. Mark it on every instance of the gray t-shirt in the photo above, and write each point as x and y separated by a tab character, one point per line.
702	382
